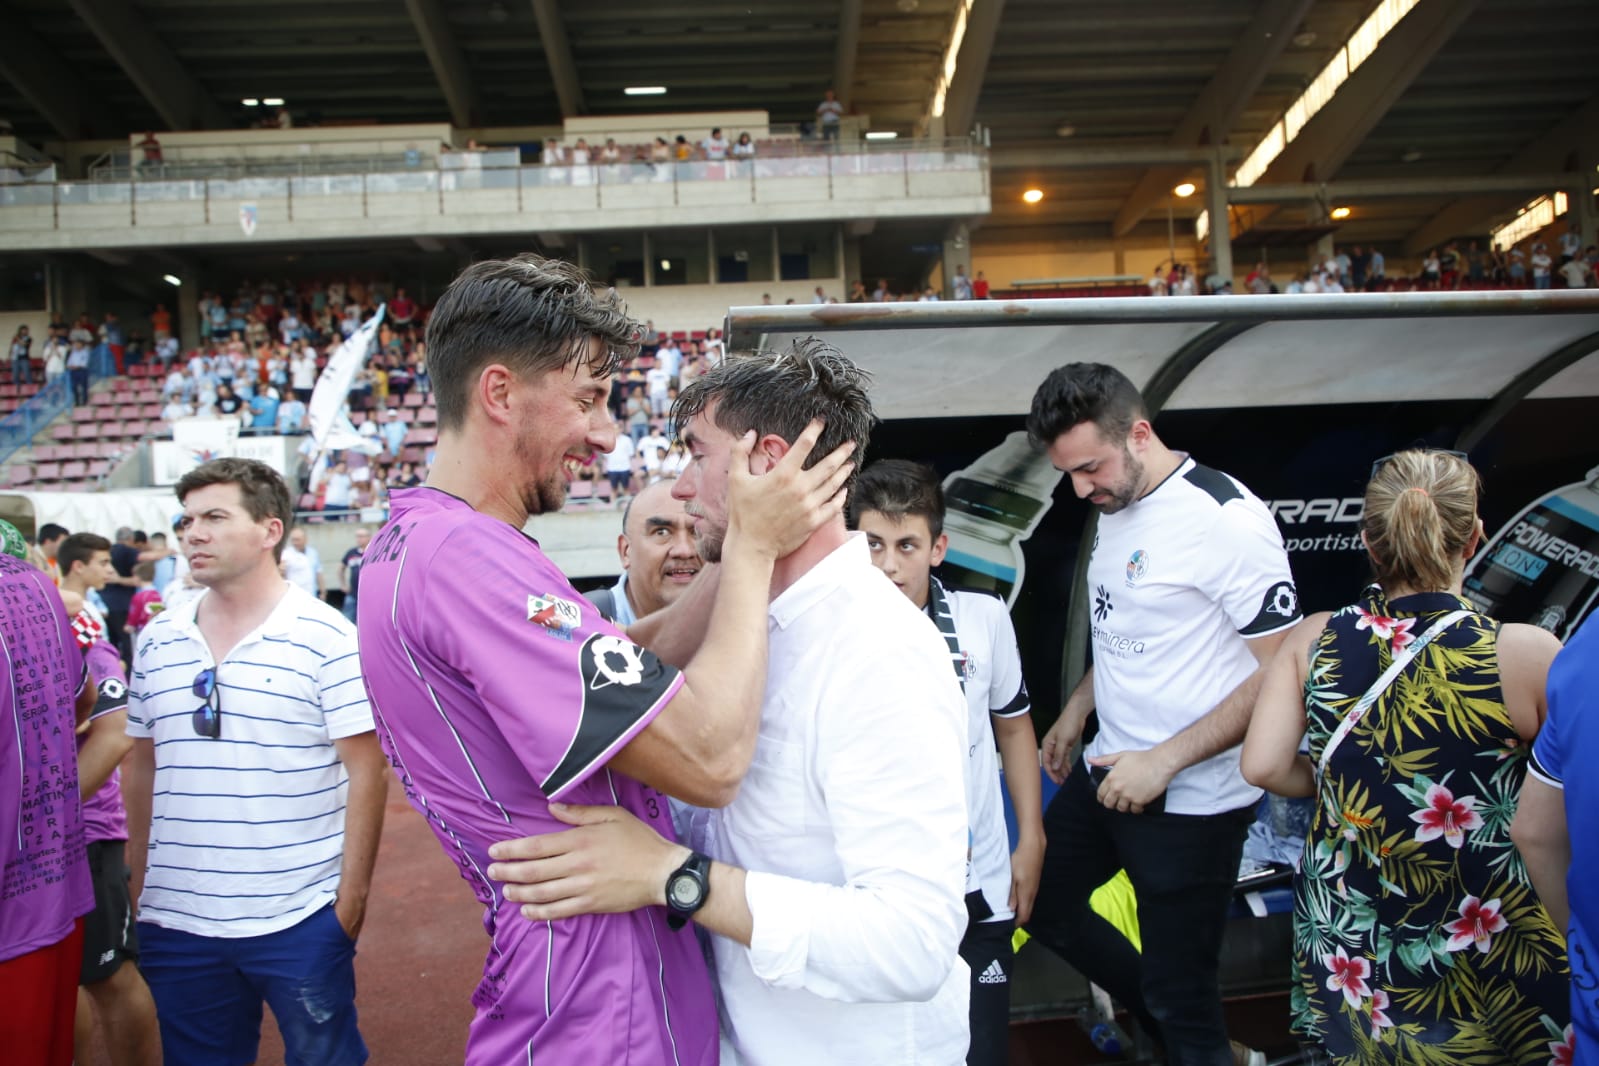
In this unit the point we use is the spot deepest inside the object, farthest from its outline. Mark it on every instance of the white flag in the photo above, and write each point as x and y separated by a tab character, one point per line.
330	423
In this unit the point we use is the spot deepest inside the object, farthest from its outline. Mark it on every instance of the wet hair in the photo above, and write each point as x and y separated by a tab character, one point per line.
898	488
780	392
262	490
533	315
1084	392
1421	509
79	548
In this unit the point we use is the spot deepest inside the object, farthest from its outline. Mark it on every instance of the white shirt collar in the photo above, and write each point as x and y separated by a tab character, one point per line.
817	582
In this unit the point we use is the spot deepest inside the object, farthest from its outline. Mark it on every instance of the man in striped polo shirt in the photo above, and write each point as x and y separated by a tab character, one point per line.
254	790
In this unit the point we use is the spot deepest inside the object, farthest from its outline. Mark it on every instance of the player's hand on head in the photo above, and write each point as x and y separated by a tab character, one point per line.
776	511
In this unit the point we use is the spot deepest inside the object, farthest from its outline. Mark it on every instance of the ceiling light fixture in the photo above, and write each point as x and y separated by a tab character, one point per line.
1032	196
644	90
272	101
173	280
1340	213
1185	190
881	135
1411	155
666	265
1065	129
250	101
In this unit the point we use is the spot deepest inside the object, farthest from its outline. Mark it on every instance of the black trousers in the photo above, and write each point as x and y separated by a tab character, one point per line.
1183	868
986	947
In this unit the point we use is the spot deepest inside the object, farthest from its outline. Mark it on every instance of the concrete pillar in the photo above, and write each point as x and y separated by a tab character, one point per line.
851	266
1221	233
186	316
1582	206
957	252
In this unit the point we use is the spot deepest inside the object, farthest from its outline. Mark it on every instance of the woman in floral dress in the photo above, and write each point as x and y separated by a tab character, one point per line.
1417	935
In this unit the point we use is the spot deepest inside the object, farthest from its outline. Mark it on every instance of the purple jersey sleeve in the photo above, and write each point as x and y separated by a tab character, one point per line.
563	686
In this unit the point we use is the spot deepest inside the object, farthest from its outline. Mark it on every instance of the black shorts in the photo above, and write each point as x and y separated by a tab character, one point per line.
109	934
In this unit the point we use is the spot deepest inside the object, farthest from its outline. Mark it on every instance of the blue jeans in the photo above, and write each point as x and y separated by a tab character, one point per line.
1183	868
208	993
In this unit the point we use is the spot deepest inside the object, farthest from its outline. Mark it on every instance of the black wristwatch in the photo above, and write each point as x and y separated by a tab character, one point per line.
687	889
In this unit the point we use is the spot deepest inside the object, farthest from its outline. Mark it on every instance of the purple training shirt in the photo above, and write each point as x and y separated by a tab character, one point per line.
496	688
46	883
104	817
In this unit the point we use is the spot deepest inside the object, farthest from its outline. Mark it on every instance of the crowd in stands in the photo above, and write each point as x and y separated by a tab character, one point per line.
1444	269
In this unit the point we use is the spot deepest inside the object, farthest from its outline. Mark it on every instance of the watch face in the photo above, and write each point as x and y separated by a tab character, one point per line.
685	891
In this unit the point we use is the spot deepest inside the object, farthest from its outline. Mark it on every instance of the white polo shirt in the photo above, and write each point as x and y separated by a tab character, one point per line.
1178	582
247	829
852	824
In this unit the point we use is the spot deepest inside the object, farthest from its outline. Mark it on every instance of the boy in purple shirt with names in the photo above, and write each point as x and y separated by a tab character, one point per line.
497	690
45	889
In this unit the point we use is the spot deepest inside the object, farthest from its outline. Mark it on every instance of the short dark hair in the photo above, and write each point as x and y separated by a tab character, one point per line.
51	531
1084	392
897	488
780	392
79	548
262	490
530	313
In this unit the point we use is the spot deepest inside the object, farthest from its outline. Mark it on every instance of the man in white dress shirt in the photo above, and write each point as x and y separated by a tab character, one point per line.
837	883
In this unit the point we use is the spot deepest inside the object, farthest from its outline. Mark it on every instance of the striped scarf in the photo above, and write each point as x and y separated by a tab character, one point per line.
938	610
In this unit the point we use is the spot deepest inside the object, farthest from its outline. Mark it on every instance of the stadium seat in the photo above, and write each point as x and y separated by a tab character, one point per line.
84	414
21	474
8	391
99	468
88	431
84	450
412	400
61	432
75	469
47	471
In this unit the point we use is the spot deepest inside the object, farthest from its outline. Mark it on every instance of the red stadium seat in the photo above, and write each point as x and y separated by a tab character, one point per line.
99	467
61	432
88	431
21	474
85	414
47	471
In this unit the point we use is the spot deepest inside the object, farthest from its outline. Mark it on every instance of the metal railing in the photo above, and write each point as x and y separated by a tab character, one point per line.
34	415
831	161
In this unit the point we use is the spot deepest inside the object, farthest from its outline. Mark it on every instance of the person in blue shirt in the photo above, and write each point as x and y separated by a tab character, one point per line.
1553	829
291	416
264	406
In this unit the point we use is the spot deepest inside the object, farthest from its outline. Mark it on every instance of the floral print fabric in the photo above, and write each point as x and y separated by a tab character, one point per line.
1417	936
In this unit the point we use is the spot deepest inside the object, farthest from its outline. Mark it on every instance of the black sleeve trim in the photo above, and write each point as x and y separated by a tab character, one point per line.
622	686
1019	704
1279	608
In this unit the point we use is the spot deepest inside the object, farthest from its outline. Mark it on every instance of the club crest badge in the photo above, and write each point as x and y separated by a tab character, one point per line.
1137	567
558	617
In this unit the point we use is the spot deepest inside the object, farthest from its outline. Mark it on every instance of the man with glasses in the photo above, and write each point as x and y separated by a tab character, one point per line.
1190	591
254	790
